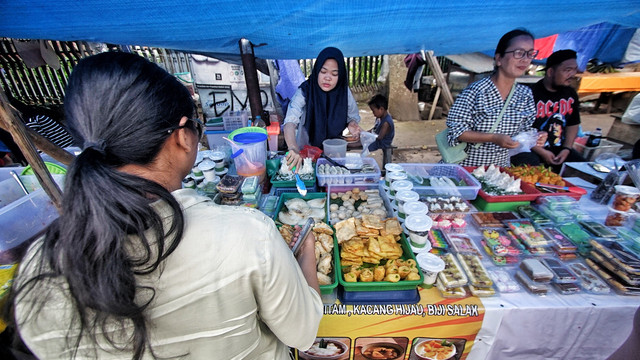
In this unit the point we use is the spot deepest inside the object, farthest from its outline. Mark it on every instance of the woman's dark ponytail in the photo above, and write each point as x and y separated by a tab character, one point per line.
120	107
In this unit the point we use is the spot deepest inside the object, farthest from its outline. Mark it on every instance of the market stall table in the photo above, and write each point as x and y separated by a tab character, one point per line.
620	81
515	326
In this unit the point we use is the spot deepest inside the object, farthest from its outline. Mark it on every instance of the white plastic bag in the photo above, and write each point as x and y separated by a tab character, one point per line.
526	139
366	139
632	114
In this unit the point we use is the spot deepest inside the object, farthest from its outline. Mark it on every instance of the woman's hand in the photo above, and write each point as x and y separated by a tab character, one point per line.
542	138
504	141
293	158
307	260
354	129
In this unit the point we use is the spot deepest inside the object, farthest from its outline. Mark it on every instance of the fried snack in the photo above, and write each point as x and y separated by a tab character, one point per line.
355	247
322	228
413	276
393	269
366	275
372	221
379	273
323	279
392	278
356	269
287	232
403	271
345	230
325	240
344	262
364	231
350	277
411	263
391	227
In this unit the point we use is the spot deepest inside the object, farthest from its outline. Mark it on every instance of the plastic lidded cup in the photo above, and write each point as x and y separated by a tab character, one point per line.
430	265
392	176
401	185
418	227
413	208
625	197
403	196
393	167
218	159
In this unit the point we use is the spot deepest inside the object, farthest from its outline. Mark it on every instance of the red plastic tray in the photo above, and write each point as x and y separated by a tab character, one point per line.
530	192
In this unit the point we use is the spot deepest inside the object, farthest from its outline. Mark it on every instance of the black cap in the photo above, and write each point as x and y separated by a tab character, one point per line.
560	56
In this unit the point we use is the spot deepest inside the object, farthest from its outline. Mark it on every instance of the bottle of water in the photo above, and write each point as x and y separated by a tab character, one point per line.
594	138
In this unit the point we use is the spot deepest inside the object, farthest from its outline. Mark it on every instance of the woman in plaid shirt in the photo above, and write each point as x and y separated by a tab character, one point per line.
477	108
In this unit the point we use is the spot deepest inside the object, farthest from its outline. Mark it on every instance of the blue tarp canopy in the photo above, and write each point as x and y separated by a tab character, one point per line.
301	28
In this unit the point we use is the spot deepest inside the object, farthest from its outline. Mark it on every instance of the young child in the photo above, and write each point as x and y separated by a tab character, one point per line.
383	126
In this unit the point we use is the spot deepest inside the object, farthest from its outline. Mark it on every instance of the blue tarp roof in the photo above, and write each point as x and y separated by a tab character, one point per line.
301	28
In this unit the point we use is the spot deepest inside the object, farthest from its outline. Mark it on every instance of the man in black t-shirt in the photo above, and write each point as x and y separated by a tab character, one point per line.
557	110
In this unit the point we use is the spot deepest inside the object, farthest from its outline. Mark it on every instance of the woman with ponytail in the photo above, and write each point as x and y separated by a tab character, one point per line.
138	268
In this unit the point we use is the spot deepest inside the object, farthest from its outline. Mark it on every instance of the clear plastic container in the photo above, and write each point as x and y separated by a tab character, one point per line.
476	272
526	232
249	185
466	186
556	202
430	265
452	275
403	196
536	271
561	274
535	215
452	292
562	244
589	281
597	229
413	208
492	219
625	197
369	174
392	176
482	291
617	218
533	287
438	239
418	227
504	281
463	244
401	185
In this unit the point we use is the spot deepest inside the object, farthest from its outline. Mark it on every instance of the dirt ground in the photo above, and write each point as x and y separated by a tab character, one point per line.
415	140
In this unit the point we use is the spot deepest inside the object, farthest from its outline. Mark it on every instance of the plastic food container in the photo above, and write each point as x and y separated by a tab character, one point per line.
452	292
466	187
430	265
218	159
390	167
504	281
561	274
418	227
249	185
452	275
462	244
21	221
368	174
616	217
392	177
335	148
556	202
625	197
533	286
401	185
476	272
589	280
413	208
404	196
438	239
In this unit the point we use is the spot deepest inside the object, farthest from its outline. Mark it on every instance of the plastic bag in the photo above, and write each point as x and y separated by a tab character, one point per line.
632	114
526	139
366	139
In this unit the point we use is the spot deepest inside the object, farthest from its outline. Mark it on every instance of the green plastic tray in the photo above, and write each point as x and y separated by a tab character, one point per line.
286	196
324	289
52	167
292	183
382	285
482	205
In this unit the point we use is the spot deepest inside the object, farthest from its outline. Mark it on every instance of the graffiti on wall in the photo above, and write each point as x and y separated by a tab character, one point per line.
217	100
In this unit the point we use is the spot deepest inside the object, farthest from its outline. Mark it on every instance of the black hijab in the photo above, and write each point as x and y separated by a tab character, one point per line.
326	111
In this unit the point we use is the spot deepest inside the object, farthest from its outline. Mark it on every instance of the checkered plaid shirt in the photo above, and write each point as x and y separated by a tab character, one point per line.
477	108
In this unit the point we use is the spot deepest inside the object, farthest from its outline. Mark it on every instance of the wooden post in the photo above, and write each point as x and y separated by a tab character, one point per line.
19	133
440	79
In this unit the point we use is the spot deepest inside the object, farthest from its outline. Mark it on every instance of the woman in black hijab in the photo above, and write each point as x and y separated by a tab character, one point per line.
322	107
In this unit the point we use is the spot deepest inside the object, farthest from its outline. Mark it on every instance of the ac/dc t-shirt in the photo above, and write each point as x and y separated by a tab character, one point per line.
555	111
